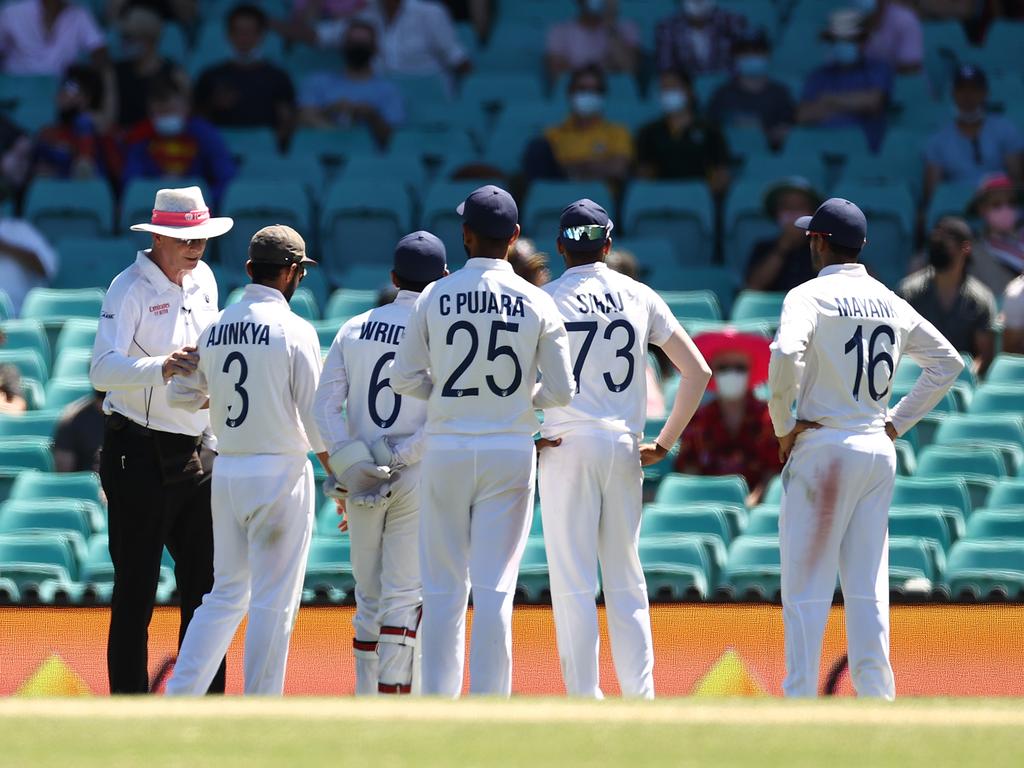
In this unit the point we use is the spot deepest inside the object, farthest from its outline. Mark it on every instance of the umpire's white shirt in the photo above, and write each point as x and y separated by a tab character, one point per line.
145	317
839	341
473	346
611	319
356	379
260	364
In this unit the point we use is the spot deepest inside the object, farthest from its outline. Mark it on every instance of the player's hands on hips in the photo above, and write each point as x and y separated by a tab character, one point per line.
543	442
334	491
181	362
343	514
786	442
890	430
651	453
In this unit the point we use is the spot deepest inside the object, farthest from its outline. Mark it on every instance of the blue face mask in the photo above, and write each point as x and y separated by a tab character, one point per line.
587	103
674	100
844	52
752	65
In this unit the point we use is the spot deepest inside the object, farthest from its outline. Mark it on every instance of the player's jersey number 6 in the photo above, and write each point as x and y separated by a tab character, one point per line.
494	351
376	385
243	394
589	327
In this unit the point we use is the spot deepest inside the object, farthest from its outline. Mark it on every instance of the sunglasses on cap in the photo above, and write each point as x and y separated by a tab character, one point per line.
586	232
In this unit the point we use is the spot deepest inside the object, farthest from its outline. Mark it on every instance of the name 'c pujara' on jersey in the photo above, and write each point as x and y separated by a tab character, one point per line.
482	303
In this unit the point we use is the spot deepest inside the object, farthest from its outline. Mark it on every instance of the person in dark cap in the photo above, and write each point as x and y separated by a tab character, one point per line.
356	405
486	349
974	143
958	304
258	370
840	339
598	441
783	262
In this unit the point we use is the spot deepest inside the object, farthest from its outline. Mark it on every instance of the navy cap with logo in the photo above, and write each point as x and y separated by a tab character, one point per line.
278	244
420	257
968	74
584	226
491	212
839	220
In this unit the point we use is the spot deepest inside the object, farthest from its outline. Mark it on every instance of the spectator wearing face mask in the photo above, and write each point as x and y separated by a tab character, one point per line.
356	95
849	89
974	143
894	34
247	91
732	434
783	262
751	97
681	144
587	146
596	37
141	65
998	252
698	39
173	143
958	305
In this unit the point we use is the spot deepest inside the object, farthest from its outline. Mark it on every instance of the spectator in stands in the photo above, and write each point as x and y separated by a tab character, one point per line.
247	91
143	65
596	37
783	262
998	253
959	305
479	13
698	39
172	143
27	260
895	35
45	37
1013	317
79	435
12	399
182	12
974	143
849	89
733	434
357	95
751	97
529	263
79	144
16	155
681	144
586	146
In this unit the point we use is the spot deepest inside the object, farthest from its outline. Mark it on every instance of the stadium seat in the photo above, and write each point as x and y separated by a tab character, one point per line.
439	216
754	567
533	582
979	466
92	262
826	142
705	519
73	363
250	144
925	523
406	168
735	513
891	210
515	129
429	143
303	303
679	489
26	334
947	404
773	492
28	361
53	306
138	196
329	567
746	222
492	90
999	523
952	517
998	399
32	558
254	204
763	521
83	486
47	517
97	569
938	491
976	428
681	212
62	392
949	199
759	306
65	208
303	168
330	146
906	457
29	424
6	307
345	303
26	453
981	568
1008	492
34	392
514	46
675	567
911	559
692	305
76	333
546	199
1006	369
656	260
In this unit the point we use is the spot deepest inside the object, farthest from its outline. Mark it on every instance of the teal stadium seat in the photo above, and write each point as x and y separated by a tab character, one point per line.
514	46
430	143
515	128
773	493
1008	492
949	199
346	303
28	361
250	145
998	399
978	569
735	513
680	489
329	567
253	205
439	217
754	567
53	307
906	457
891	210
491	90
1006	369
46	517
681	212
76	333
29	424
949	492
923	523
911	559
656	261
992	524
298	167
26	334
72	363
979	466
911	514
64	208
976	428
704	520
827	143
331	146
84	486
763	521
675	567
546	199
26	453
6	307
758	306
363	169
692	305
533	583
92	262
746	222
721	281
30	559
60	393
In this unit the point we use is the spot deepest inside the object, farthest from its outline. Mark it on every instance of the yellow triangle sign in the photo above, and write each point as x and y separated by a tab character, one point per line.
54	678
728	676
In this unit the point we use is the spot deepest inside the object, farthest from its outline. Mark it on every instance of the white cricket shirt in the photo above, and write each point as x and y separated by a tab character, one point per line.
839	341
145	317
259	363
610	319
474	344
357	378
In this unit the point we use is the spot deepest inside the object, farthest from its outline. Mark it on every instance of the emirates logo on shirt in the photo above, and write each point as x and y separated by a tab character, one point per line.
160	309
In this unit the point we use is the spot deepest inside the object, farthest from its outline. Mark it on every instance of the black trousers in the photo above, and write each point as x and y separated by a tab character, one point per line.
151	505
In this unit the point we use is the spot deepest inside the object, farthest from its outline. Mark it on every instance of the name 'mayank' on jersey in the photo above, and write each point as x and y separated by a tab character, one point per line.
854	307
234	334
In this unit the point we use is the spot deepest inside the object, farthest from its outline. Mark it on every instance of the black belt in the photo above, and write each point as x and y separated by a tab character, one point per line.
120	423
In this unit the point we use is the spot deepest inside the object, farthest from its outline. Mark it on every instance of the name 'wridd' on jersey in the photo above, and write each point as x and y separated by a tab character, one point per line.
854	307
482	303
376	330
238	333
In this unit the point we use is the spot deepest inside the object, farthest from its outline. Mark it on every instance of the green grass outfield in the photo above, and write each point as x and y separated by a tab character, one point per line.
526	733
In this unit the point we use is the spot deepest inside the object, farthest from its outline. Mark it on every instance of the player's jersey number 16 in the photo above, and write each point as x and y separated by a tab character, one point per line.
877	354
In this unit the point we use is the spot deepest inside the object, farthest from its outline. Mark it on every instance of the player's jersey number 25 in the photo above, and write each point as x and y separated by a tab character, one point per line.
465	335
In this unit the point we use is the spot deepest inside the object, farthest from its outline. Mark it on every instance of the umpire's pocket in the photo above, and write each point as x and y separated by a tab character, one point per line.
177	457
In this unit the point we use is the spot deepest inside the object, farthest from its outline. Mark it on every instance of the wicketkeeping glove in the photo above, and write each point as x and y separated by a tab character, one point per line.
355	470
375	497
385	452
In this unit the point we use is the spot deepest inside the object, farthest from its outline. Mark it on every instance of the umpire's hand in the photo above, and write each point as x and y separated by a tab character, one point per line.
181	362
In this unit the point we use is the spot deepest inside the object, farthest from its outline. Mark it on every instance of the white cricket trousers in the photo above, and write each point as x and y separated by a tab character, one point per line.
591	496
835	516
476	508
262	524
386	564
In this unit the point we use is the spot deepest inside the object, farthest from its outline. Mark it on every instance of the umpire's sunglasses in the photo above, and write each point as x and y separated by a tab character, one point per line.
586	232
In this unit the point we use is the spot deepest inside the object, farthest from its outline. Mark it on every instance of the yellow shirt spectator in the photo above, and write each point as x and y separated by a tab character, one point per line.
579	145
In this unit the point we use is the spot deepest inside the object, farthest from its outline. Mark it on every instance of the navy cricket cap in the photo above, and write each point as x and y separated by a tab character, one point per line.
839	220
420	257
968	74
491	212
584	226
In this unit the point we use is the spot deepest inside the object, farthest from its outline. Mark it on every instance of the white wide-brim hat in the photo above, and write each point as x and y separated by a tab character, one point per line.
184	215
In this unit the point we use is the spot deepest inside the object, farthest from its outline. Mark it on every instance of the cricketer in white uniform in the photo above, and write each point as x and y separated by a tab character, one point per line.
596	441
355	402
259	365
841	337
473	347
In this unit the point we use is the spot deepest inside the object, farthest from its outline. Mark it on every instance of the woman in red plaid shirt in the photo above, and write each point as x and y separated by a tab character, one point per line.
733	435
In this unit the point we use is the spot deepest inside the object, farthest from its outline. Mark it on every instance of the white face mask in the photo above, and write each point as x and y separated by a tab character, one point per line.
169	125
731	385
674	100
587	103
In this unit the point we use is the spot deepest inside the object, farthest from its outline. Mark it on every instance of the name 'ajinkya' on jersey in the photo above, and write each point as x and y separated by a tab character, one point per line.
611	319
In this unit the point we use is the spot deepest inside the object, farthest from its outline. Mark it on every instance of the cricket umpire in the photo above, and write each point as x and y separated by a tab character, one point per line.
158	492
